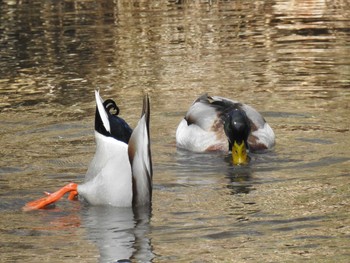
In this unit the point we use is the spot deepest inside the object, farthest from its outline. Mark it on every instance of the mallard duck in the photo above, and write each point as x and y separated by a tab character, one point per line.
120	173
215	123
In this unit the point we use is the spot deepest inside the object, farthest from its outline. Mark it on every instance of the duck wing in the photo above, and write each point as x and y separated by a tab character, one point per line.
202	113
224	104
140	158
202	128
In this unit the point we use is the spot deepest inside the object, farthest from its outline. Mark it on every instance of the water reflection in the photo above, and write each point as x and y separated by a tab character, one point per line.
119	233
207	168
51	49
240	179
202	162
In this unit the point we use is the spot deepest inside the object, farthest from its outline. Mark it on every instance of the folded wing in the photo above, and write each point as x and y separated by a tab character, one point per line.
140	158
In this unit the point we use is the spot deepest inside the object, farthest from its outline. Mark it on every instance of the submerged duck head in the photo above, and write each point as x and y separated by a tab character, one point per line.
237	129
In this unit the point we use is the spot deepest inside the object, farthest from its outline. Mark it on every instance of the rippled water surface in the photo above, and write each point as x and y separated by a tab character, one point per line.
288	59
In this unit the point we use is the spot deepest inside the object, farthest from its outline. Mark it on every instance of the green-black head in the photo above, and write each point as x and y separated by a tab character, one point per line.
237	129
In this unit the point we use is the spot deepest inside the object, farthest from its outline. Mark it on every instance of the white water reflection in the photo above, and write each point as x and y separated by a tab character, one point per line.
119	233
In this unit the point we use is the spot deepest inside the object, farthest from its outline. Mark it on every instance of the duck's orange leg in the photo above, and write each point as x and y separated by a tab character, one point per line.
73	195
51	198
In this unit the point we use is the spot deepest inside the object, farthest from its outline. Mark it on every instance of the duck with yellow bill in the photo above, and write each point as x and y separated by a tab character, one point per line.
214	123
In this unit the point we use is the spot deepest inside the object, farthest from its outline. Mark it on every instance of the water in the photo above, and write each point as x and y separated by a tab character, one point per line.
288	59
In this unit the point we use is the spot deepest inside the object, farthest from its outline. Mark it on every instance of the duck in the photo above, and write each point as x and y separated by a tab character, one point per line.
214	123
120	173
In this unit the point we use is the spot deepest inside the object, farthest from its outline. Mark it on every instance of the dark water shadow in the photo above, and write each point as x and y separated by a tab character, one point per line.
121	234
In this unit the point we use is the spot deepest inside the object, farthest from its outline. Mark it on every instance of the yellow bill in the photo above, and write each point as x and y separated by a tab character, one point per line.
239	153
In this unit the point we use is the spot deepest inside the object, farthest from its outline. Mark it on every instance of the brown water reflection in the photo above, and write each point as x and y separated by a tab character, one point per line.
289	59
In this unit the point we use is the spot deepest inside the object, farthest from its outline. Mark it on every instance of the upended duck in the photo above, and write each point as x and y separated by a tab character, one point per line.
120	173
215	123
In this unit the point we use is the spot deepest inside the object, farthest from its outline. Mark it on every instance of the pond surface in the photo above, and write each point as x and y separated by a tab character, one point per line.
288	59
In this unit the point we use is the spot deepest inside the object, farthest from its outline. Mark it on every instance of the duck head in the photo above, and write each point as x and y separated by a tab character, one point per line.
237	130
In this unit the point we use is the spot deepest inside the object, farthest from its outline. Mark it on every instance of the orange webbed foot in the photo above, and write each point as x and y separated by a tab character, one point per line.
73	195
52	197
